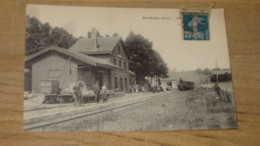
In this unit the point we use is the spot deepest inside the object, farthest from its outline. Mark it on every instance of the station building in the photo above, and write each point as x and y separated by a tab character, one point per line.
90	59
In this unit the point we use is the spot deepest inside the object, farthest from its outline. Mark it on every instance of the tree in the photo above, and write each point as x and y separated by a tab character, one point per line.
206	71
158	66
115	34
144	60
39	36
33	35
199	70
221	77
140	50
61	38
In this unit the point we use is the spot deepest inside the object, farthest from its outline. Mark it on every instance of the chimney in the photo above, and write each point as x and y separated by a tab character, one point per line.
94	37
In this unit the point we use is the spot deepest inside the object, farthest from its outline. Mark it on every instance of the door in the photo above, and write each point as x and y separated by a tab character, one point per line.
126	87
121	84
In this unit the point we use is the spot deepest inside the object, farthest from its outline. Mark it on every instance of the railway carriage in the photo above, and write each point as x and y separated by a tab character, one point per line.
185	85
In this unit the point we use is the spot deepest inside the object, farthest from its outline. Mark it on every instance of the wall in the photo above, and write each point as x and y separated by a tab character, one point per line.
120	56
28	80
121	72
53	61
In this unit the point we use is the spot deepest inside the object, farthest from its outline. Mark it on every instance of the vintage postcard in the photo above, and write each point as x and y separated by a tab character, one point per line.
126	69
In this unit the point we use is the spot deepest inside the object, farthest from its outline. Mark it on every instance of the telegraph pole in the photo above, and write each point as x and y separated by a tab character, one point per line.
217	70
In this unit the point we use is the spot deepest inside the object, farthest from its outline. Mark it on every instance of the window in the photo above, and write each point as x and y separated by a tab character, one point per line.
116	82
114	61
126	85
121	84
49	86
125	66
120	63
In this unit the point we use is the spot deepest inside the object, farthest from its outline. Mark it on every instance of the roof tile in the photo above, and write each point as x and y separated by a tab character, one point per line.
84	58
87	45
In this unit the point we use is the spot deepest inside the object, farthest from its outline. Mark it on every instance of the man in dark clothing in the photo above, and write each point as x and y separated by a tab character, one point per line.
97	92
217	89
78	94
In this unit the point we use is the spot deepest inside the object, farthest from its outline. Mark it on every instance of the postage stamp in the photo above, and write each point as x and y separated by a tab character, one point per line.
195	25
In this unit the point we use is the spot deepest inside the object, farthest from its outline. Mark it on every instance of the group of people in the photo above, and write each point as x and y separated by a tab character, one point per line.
78	96
140	88
137	89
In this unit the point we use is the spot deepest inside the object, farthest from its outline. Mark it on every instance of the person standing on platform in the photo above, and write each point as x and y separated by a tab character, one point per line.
77	93
97	92
217	90
104	92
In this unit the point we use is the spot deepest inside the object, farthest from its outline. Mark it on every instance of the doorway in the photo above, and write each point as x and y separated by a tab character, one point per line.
126	87
121	84
99	78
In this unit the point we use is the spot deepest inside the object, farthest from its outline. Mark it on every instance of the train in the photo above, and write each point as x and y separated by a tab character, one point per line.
185	85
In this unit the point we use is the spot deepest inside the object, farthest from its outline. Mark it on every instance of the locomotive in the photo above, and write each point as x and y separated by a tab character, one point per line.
185	85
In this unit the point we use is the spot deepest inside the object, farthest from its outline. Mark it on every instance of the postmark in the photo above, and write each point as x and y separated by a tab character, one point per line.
195	24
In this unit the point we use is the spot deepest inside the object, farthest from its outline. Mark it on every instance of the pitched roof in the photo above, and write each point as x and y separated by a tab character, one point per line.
168	79
81	57
87	45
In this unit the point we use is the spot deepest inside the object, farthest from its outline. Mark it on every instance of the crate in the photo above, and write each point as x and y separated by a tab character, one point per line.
49	86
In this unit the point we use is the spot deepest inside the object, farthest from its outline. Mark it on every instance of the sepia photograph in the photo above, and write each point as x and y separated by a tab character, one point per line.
105	69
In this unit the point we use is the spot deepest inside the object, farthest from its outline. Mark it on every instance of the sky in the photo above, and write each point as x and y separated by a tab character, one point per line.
166	34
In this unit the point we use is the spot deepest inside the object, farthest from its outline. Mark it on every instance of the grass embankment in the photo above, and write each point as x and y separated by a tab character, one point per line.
220	110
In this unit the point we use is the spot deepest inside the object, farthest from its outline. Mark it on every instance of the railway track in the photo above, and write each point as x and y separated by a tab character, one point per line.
45	108
67	105
40	124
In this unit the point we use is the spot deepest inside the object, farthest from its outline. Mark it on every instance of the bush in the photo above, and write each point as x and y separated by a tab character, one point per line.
221	77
